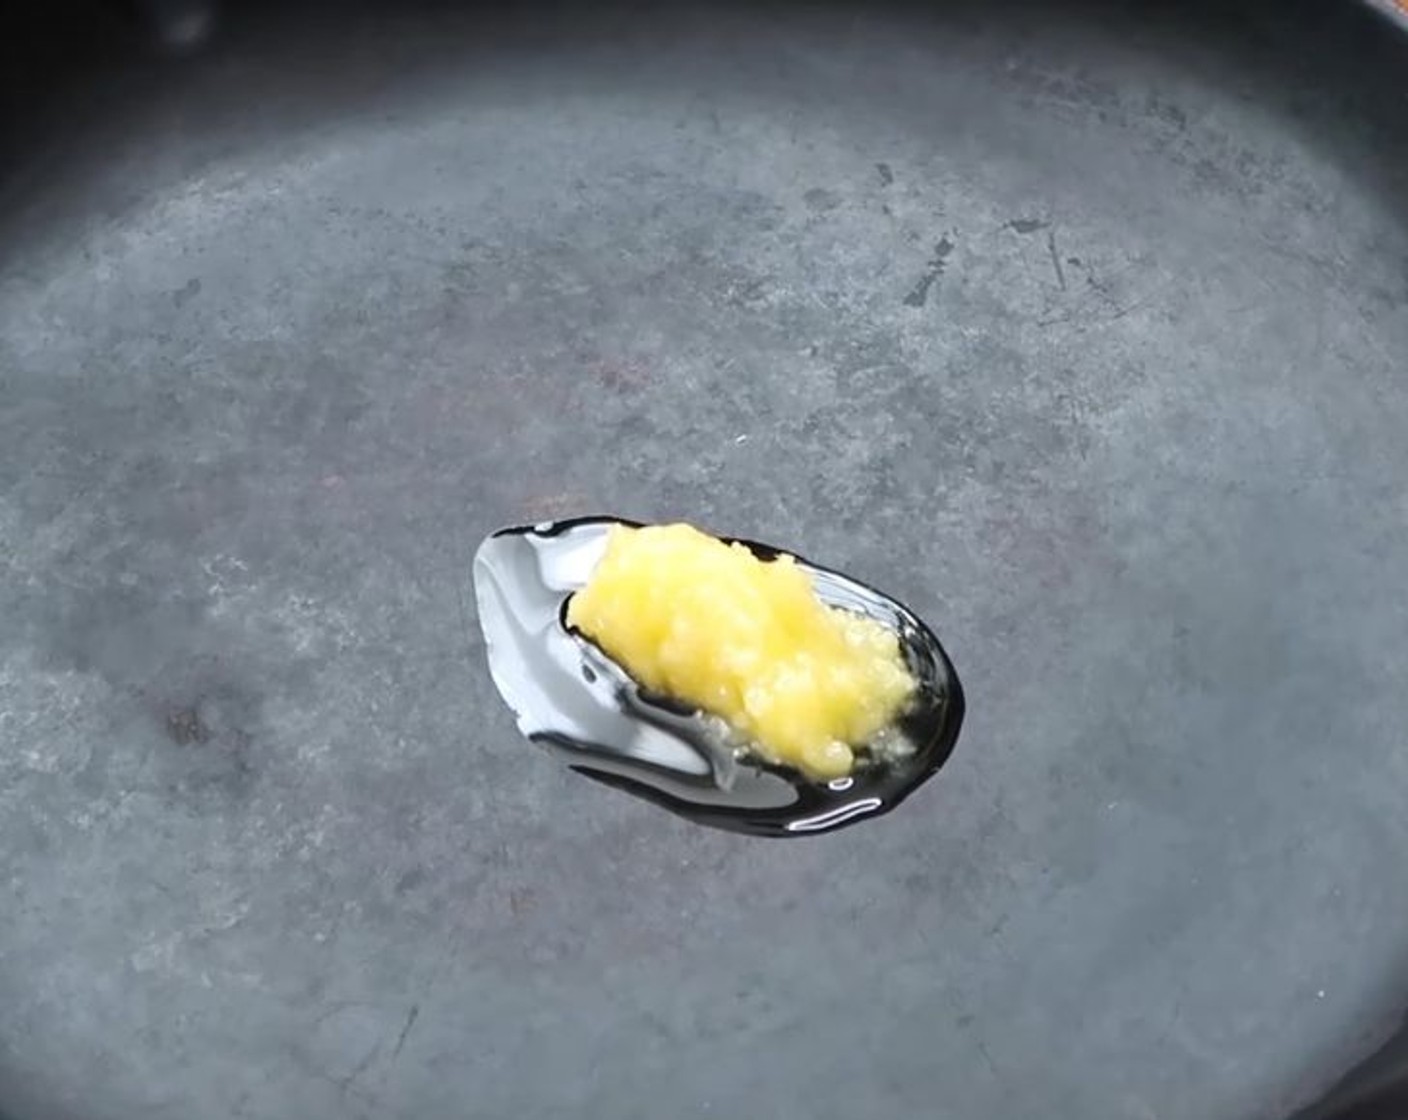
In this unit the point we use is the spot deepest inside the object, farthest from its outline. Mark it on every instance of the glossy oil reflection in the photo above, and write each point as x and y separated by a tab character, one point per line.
570	697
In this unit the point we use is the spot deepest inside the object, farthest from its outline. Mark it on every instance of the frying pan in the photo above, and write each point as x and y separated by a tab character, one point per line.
1079	328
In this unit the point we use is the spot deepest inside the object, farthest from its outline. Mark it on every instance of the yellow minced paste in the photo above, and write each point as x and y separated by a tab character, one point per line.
710	624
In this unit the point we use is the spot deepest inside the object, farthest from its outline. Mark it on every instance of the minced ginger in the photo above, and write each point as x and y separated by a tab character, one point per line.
710	624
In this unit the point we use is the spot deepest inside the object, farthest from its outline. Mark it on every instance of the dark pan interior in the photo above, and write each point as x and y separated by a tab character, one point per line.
1080	328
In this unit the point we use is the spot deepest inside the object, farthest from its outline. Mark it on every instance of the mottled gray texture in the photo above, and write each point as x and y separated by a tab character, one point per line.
1084	340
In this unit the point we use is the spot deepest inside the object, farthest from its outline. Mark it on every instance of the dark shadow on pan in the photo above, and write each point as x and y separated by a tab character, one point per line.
1376	1089
1328	69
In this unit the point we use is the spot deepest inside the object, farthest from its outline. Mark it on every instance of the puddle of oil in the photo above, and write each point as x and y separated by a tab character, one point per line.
570	697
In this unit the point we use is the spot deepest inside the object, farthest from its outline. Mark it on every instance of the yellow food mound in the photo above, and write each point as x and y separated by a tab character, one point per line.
713	626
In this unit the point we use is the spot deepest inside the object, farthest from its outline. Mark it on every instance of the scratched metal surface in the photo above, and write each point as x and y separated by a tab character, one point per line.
1081	334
